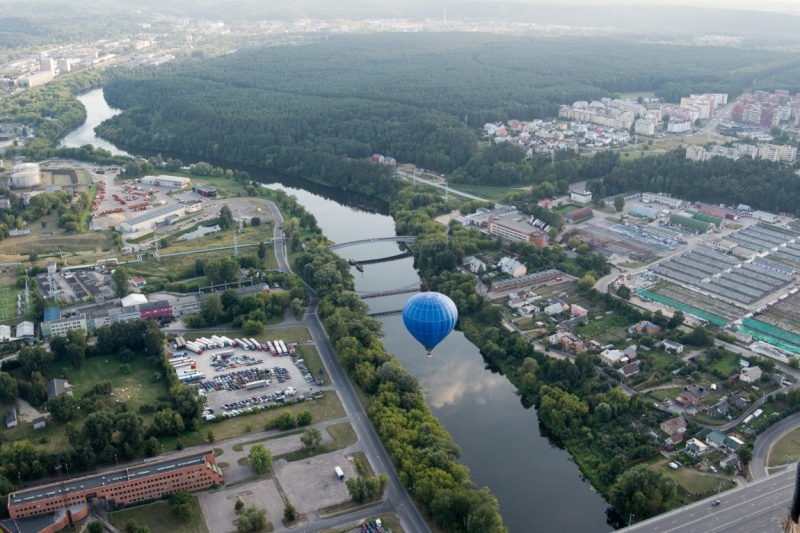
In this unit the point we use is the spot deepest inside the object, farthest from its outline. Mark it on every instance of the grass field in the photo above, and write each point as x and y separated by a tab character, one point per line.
158	517
343	436
291	334
606	330
495	194
240	447
313	362
135	389
787	448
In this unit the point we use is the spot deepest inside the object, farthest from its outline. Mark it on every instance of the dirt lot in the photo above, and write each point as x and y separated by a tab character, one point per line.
218	506
312	483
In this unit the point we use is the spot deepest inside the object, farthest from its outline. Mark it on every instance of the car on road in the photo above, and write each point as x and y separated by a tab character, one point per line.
715	503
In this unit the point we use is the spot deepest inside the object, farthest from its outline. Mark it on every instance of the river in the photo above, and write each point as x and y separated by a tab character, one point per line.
502	441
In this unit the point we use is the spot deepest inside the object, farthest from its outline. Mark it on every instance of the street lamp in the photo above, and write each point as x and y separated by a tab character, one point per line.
117	460
630	518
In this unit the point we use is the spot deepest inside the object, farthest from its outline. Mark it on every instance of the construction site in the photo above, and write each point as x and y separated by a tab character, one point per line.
638	242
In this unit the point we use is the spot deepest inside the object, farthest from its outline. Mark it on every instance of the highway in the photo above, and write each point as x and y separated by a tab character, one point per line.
397	499
764	442
757	507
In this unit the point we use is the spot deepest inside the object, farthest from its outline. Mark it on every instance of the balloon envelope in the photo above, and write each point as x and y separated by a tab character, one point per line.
429	317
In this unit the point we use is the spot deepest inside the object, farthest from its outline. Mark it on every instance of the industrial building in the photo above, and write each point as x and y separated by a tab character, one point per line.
204	190
51	508
514	226
644	212
526	280
25	176
652	198
60	327
174	182
691	224
35	80
154	218
577	215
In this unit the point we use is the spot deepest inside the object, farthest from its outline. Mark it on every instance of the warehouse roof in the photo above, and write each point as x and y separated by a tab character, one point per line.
690	223
201	187
579	214
646	212
155	213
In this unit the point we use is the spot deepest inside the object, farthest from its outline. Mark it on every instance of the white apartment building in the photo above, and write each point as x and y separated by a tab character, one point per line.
772	152
645	127
61	327
678	125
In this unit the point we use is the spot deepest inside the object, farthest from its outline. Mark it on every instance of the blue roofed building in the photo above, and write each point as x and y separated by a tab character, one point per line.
51	314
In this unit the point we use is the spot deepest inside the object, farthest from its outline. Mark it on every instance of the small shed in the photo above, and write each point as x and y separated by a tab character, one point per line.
39	423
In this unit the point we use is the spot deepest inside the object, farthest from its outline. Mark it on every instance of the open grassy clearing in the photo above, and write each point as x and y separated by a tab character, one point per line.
289	334
158	517
135	389
490	193
361	456
226	188
343	436
250	235
786	449
240	447
609	329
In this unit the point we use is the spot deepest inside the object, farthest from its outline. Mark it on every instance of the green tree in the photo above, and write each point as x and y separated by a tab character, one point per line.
62	408
255	222
311	438
131	431
99	428
552	233
168	422
624	292
587	282
221	270
262	251
251	328
152	447
676	320
260	459
643	490
211	310
8	388
239	506
96	527
619	203
794	362
252	519
210	436
357	488
304	418
289	512
285	421
121	280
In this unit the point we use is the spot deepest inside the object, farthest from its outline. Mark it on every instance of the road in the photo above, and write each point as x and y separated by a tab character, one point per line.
764	442
397	499
410	177
757	507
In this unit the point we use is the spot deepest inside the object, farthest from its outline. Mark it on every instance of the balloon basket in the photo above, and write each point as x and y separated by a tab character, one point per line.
430	354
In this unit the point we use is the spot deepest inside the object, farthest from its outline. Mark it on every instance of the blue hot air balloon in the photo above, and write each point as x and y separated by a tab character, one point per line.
430	317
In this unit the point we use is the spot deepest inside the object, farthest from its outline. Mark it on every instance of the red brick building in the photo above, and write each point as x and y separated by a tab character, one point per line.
68	501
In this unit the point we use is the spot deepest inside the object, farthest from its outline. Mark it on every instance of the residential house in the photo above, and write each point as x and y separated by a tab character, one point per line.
693	396
645	327
577	310
695	448
630	353
567	341
56	387
567	325
512	267
731	460
473	264
629	370
554	309
715	439
674	440
612	357
672	345
11	418
732	443
720	409
138	282
516	303
750	375
39	423
674	425
737	401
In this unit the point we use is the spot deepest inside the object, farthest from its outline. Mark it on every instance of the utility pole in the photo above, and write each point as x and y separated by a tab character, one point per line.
235	245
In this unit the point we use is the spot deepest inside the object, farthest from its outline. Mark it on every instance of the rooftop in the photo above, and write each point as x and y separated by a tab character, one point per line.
100	480
155	213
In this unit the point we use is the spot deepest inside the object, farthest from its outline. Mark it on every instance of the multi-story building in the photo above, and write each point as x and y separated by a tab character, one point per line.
774	152
514	227
46	64
695	153
64	66
679	125
68	500
645	127
60	327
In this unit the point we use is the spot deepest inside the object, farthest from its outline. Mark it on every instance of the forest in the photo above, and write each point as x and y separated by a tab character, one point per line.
400	95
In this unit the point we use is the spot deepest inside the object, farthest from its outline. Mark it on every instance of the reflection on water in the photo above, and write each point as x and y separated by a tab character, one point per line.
502	441
97	110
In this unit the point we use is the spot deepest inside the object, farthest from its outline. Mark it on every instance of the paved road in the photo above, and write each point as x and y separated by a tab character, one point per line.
764	442
397	499
410	177
756	507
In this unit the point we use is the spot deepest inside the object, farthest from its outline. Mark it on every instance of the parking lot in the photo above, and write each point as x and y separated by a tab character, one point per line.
312	483
218	506
271	378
